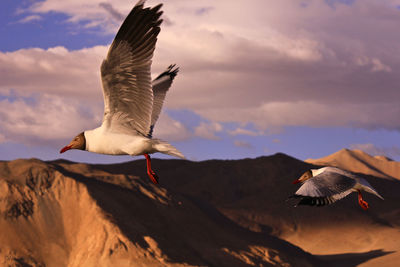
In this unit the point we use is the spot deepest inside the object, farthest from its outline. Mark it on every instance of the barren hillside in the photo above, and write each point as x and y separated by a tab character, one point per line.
210	213
361	162
253	193
55	214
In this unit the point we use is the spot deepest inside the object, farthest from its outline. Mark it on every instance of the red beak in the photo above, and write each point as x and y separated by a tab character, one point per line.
65	149
296	181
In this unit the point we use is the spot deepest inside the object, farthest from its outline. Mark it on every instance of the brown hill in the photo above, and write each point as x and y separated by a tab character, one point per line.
67	214
253	193
361	162
210	213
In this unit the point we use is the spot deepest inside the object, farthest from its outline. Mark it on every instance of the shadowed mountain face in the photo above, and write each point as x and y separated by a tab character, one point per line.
210	213
64	214
253	194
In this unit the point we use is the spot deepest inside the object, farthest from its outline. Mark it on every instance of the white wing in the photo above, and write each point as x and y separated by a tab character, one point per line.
161	85
325	188
128	95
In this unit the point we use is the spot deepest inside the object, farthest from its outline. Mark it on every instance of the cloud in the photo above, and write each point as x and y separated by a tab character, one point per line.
90	14
170	129
242	131
243	144
374	63
44	120
113	12
56	71
47	96
373	150
203	10
30	18
208	130
285	70
272	116
277	64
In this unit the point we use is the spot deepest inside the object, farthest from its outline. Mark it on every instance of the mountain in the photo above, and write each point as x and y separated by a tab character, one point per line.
209	213
253	194
68	214
359	161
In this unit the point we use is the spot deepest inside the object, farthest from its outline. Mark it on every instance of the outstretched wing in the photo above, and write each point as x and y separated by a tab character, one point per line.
125	73
161	84
325	188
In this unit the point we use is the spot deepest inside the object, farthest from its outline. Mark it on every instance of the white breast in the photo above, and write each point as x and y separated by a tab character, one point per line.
105	142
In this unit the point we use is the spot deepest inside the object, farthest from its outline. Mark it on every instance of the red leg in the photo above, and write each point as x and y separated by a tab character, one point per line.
362	203
153	177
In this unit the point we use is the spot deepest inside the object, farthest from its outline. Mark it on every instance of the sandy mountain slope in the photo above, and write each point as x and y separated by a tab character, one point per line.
361	162
253	193
379	166
67	214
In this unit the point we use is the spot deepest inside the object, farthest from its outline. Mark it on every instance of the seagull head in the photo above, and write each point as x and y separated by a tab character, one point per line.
307	175
79	142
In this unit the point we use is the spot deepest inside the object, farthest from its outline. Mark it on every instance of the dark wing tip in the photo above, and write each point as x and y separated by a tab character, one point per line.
140	3
314	201
157	8
150	134
139	16
171	71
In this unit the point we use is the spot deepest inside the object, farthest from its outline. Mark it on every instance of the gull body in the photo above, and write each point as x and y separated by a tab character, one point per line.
327	185
132	102
102	141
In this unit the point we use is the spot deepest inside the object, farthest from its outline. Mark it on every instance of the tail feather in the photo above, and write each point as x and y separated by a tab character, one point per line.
373	191
166	148
368	188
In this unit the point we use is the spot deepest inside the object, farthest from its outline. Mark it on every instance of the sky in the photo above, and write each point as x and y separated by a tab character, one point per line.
302	77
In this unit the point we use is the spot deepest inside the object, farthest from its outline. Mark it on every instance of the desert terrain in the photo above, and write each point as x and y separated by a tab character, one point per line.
209	213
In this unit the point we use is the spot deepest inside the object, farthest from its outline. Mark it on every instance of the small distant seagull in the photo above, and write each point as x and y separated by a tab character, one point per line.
132	102
328	184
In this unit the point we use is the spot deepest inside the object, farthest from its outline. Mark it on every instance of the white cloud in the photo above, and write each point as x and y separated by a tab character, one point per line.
374	63
30	18
208	130
170	129
243	144
56	93
44	120
275	71
91	13
56	71
242	131
272	116
277	64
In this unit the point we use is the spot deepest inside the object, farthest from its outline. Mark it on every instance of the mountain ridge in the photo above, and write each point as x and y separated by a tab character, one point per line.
361	162
210	213
83	216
